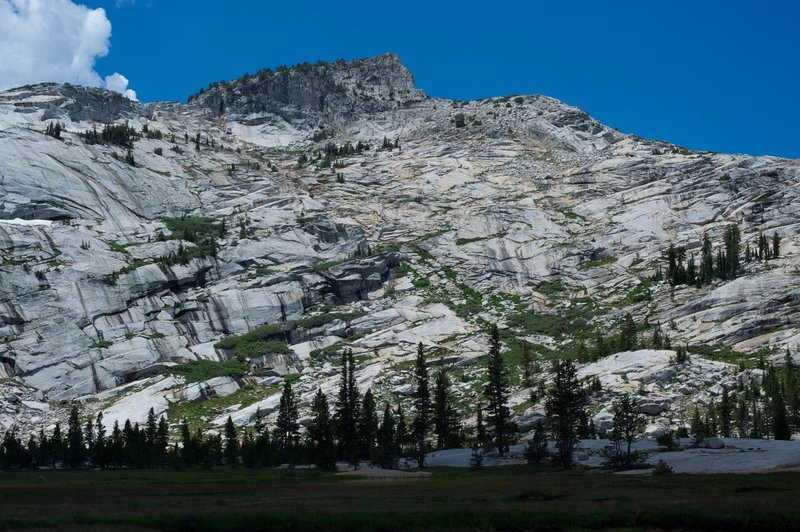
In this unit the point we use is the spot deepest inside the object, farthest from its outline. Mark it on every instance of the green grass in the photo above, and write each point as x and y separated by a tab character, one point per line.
508	498
589	264
310	322
261	332
464	241
201	413
202	370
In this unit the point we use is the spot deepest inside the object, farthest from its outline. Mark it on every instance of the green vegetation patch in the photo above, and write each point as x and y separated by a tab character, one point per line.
202	370
310	322
262	332
490	498
589	264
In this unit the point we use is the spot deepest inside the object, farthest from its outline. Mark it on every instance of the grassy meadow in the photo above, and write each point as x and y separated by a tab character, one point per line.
507	498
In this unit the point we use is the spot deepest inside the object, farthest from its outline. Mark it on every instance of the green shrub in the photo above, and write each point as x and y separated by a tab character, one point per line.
202	370
260	333
662	468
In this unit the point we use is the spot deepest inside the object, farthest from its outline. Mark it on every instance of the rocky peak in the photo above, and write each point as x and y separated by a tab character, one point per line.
370	85
63	100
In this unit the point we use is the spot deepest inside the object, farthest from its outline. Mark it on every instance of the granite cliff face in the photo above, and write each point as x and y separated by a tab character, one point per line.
522	211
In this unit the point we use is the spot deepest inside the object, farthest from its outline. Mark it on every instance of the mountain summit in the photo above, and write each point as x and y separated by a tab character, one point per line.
276	220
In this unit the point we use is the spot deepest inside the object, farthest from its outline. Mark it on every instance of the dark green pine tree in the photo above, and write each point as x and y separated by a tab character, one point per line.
231	444
776	243
57	451
320	433
780	422
724	414
706	261
76	452
388	450
525	362
286	426
732	238
187	445
691	271
496	393
347	411
401	433
100	443
368	427
564	406
790	388
627	333
422	405
446	425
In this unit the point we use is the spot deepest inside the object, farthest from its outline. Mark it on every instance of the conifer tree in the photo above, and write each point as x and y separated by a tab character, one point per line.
368	427
76	453
286	425
563	406
320	433
347	410
627	333
536	451
790	387
706	261
481	438
422	405
445	418
496	392
401	433
231	444
388	452
628	422
525	362
724	414
776	243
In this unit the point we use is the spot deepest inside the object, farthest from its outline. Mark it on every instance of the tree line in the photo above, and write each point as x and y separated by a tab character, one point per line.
724	265
355	430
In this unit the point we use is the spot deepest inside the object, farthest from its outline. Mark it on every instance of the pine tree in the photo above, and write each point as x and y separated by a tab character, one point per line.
657	342
706	261
320	433
536	451
422	405
56	445
401	434
286	425
347	411
99	458
776	243
627	333
790	388
445	417
496	392
697	427
388	452
564	404
724	414
481	438
368	427
187	445
780	422
76	452
525	362
628	422
231	444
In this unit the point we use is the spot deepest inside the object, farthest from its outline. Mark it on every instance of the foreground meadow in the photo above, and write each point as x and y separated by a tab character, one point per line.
509	498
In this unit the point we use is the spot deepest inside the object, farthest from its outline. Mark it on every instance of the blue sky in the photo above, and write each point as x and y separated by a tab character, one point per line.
714	75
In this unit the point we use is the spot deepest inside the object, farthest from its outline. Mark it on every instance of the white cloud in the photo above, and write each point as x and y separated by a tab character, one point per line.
54	40
119	83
